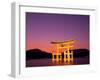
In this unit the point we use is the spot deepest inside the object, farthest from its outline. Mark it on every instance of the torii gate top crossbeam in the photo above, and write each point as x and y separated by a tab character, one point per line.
64	42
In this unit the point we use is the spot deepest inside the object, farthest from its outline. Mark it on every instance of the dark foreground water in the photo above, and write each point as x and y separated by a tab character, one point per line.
48	62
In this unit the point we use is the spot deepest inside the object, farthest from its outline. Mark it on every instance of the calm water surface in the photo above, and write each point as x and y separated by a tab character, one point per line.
48	62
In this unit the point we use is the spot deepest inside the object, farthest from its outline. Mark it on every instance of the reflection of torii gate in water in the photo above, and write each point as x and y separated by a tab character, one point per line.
68	55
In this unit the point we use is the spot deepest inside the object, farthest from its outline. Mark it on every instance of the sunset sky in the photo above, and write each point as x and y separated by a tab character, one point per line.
42	28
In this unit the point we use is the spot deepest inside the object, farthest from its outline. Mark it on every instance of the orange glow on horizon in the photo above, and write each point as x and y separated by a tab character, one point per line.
48	47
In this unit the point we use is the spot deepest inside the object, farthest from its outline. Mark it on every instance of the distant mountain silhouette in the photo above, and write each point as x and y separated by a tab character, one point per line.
39	54
80	53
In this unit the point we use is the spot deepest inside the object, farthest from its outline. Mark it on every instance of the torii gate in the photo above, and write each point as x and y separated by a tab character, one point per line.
68	55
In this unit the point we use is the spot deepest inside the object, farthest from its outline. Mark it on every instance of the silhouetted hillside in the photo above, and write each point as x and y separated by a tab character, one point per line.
39	54
80	52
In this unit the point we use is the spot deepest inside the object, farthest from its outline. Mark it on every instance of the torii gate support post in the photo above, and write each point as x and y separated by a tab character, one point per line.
68	56
57	55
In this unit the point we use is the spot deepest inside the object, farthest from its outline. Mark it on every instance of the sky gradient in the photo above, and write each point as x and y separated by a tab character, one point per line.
42	28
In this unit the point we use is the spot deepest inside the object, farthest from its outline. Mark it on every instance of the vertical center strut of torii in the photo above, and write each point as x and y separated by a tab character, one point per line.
68	54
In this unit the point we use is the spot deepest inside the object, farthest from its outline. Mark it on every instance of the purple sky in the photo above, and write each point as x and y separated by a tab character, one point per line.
42	28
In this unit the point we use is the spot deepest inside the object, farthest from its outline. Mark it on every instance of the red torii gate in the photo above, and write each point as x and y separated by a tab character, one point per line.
68	56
